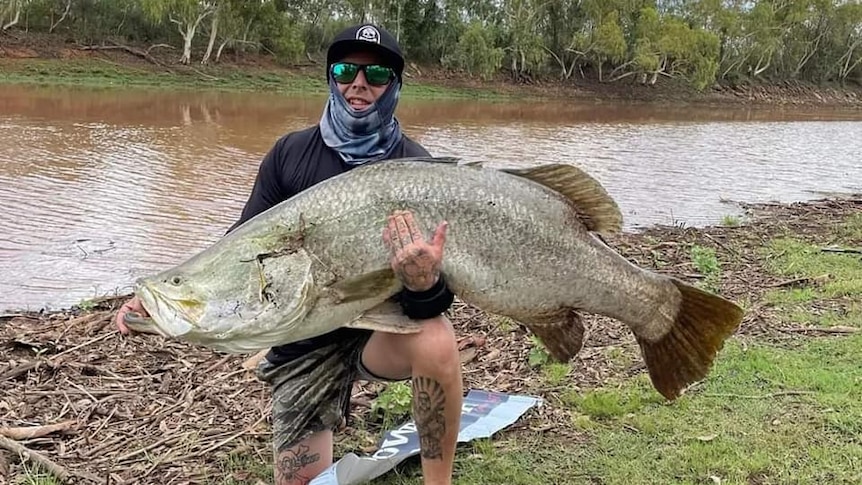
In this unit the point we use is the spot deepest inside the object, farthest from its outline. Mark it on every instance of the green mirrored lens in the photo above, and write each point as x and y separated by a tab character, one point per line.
375	74
344	72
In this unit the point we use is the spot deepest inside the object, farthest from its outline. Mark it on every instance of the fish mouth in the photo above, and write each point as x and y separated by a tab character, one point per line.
168	316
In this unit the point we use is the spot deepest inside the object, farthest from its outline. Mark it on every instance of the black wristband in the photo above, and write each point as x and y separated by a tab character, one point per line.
419	305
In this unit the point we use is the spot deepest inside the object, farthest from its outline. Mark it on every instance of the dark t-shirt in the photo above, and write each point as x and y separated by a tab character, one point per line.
297	161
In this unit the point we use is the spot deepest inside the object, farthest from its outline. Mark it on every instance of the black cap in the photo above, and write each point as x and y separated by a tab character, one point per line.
366	37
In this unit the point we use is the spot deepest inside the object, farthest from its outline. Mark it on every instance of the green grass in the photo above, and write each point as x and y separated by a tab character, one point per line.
100	74
766	415
241	469
730	221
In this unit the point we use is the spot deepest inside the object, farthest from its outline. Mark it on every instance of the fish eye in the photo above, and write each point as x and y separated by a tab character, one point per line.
176	280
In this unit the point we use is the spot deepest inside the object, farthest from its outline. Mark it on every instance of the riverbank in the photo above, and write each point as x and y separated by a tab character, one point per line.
780	406
48	60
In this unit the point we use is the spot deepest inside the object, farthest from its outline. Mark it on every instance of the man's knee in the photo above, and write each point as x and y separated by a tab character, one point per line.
435	344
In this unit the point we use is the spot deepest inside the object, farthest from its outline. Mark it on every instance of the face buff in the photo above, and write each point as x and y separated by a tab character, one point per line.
361	136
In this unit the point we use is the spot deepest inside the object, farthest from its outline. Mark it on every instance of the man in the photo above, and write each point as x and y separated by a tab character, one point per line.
312	380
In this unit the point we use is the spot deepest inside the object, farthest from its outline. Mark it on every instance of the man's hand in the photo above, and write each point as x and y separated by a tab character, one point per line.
416	262
133	305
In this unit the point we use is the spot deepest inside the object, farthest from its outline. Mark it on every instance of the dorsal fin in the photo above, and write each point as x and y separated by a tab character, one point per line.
429	159
595	207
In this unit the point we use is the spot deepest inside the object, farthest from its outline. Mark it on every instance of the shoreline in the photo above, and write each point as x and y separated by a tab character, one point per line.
51	62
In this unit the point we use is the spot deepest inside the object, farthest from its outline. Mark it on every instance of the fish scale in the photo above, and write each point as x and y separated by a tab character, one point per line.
521	243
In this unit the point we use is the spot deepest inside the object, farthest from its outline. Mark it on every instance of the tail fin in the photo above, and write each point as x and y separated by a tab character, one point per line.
685	354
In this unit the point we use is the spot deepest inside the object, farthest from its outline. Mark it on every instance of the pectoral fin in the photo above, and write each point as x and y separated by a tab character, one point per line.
386	317
368	285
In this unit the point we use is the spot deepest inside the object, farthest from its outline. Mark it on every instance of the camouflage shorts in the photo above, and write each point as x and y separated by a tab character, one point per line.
312	393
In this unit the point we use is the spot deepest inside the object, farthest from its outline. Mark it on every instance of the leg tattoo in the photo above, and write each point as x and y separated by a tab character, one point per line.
428	403
291	462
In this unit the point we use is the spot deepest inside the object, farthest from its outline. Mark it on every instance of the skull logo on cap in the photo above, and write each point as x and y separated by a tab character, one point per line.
368	34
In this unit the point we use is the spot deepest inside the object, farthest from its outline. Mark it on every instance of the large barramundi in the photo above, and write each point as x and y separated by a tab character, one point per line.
521	243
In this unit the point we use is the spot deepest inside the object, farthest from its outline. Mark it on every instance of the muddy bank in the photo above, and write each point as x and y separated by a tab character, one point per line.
142	409
21	54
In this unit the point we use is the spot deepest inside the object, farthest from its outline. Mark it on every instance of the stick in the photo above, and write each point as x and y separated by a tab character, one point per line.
837	329
764	396
17	371
795	281
29	432
840	250
40	459
251	362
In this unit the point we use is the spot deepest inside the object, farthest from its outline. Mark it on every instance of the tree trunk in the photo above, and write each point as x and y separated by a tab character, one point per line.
220	48
16	18
62	17
213	34
187	29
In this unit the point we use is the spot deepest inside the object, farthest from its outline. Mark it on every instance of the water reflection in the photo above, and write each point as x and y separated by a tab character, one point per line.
103	186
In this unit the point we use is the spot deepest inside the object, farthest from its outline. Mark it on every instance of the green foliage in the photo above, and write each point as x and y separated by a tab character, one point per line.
699	41
706	263
475	52
393	403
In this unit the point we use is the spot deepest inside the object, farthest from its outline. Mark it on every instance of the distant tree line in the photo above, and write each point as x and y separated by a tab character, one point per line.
700	41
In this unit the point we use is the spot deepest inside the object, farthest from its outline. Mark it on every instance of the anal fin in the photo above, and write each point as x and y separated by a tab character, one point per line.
563	336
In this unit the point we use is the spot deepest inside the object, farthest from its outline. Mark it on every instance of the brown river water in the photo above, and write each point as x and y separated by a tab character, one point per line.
100	187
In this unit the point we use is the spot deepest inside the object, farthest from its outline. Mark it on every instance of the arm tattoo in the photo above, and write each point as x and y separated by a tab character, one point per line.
428	401
291	461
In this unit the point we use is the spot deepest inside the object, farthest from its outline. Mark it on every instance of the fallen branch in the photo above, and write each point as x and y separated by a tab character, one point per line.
131	50
17	371
30	432
38	458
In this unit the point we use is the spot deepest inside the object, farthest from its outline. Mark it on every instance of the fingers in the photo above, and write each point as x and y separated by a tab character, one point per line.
402	230
133	305
439	237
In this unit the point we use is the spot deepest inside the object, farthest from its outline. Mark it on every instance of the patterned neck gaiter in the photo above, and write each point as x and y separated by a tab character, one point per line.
361	136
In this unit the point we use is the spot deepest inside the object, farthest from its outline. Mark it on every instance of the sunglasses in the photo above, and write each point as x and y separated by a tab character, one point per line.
375	74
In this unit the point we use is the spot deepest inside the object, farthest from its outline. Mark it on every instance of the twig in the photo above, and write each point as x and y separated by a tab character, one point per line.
164	441
722	245
89	342
28	432
763	396
211	78
220	443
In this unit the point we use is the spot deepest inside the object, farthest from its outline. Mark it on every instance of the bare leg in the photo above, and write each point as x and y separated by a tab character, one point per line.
300	463
431	358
